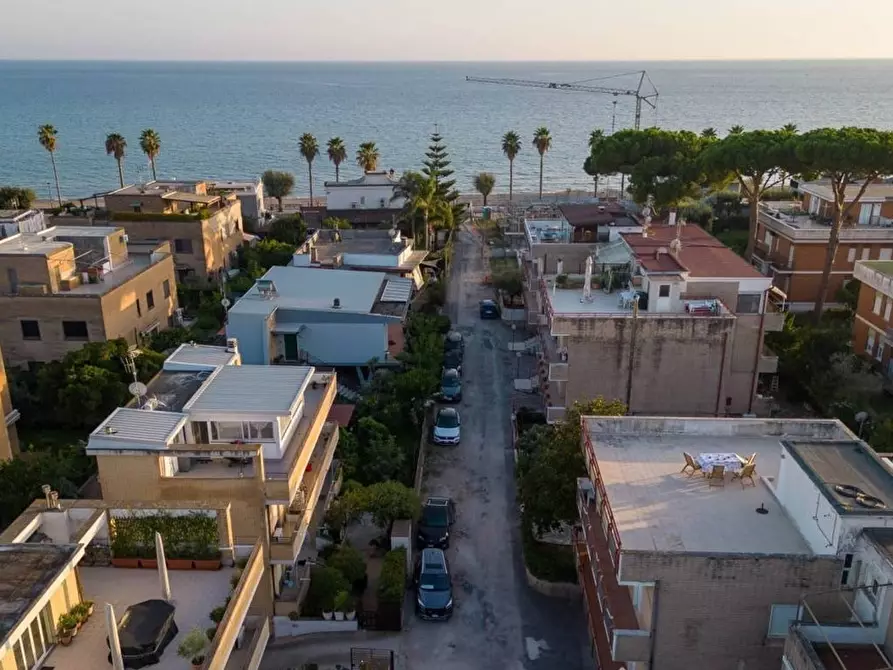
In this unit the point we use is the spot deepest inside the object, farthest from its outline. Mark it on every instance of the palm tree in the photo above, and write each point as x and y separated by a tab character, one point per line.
115	145
484	183
309	150
426	201
337	154
367	156
542	140
709	133
595	138
46	135
150	143
736	130
511	147
789	128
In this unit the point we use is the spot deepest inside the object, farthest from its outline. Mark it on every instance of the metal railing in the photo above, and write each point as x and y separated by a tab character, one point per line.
612	533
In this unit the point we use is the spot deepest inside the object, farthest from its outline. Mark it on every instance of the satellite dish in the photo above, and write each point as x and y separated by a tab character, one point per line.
225	302
137	389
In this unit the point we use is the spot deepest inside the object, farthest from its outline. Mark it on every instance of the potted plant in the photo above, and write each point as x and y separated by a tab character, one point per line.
176	559
211	632
217	613
350	608
193	647
89	605
340	603
81	613
67	628
207	558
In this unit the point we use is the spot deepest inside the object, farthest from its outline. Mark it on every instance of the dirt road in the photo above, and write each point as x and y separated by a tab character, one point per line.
499	622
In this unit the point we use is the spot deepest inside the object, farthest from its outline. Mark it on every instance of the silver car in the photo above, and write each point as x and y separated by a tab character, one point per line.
446	426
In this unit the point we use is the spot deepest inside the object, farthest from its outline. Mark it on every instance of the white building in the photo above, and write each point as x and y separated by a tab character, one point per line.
250	193
14	221
374	190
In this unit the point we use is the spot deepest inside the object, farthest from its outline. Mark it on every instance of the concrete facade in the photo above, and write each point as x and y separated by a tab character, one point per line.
874	313
374	190
9	440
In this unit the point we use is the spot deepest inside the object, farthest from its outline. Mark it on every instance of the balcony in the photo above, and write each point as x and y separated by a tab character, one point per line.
558	372
286	541
768	363
797	225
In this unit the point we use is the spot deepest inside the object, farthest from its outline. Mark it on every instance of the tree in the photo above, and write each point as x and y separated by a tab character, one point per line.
756	159
511	147
21	479
335	223
388	501
542	140
290	230
376	456
789	128
736	130
850	159
337	154
278	184
349	562
510	282
150	143
309	150
14	197
46	135
367	157
484	183
428	204
115	145
595	139
709	133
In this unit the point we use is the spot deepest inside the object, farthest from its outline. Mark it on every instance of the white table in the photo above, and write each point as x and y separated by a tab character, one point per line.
627	298
731	461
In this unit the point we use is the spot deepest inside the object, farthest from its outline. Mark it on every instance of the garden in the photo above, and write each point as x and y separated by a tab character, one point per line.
190	541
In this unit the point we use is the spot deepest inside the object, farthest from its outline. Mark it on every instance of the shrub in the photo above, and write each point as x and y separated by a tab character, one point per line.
193	646
216	614
549	562
392	581
350	563
325	584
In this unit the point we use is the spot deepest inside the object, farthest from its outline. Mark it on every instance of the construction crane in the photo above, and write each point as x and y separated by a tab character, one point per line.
645	92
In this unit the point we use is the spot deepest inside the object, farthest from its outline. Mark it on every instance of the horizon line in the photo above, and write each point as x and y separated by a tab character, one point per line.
444	61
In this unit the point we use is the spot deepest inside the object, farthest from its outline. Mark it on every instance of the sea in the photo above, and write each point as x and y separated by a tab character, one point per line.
235	120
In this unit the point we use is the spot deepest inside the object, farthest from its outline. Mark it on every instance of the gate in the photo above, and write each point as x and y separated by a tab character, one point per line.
362	658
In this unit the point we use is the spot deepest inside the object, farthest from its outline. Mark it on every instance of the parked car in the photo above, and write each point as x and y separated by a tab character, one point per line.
454	342
434	590
489	309
446	426
452	360
438	515
451	386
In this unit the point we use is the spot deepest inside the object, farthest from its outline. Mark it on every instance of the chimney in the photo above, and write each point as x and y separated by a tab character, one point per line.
559	266
336	303
232	345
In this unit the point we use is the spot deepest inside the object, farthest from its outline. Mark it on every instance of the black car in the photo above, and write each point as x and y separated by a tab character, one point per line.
434	590
438	516
452	360
454	342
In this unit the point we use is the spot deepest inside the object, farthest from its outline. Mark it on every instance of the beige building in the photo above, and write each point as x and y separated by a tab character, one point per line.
9	441
58	555
667	308
257	437
69	285
202	224
682	571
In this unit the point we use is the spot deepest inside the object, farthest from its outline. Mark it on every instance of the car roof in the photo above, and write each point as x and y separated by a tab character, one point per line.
447	411
488	302
433	560
452	372
454	336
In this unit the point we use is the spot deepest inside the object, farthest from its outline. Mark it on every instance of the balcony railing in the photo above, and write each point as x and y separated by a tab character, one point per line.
613	535
799	225
286	541
768	363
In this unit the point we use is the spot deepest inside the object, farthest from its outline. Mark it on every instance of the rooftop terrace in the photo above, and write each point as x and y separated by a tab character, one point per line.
547	231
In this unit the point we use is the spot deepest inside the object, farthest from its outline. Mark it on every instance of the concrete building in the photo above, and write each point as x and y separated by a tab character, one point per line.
367	200
204	229
57	555
678	573
872	324
14	221
681	307
69	285
250	193
9	440
792	240
332	318
376	250
257	437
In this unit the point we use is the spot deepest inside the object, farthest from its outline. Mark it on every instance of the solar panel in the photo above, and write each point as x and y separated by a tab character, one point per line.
396	290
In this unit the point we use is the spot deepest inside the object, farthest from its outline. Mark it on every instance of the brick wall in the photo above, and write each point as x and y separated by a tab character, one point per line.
713	612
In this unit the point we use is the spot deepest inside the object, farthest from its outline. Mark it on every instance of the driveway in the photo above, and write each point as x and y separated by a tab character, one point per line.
499	622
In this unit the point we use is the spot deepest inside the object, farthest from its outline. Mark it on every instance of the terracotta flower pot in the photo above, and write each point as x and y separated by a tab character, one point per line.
180	564
65	638
148	562
207	564
126	562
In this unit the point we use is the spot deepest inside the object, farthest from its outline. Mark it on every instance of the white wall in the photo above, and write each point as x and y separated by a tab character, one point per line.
374	260
361	197
344	343
818	522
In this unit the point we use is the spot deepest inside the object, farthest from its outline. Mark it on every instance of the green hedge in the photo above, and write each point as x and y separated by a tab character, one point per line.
154	216
549	562
193	535
392	581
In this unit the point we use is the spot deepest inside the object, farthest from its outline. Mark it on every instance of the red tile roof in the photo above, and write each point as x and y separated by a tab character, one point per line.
702	255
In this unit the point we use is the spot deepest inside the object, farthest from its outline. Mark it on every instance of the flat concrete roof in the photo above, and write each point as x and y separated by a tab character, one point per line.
128	424
200	356
14	214
158	187
135	264
26	571
79	231
883	267
252	388
378	242
174	389
874	192
28	244
657	508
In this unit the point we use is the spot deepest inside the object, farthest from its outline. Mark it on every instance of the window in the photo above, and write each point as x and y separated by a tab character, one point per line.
780	619
749	303
226	431
851	255
866	252
75	330
30	330
230	431
767	239
166	288
663	291
260	430
183	245
137	209
139	307
183	274
887	309
150	300
869	342
879	355
878	302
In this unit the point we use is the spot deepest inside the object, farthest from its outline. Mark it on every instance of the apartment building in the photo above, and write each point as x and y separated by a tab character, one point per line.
317	316
203	228
792	239
68	285
374	250
9	440
654	309
872	323
678	573
257	437
250	193
58	554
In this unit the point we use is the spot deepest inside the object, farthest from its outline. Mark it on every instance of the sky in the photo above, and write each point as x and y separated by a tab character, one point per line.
422	30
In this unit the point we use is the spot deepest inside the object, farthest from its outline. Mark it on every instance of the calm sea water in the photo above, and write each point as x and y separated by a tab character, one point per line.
238	119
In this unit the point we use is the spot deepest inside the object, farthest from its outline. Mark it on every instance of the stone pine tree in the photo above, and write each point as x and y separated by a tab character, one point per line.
437	167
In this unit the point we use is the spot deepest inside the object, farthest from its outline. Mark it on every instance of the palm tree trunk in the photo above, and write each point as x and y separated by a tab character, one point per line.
427	232
279	198
310	177
337	171
485	199
595	186
511	177
541	176
154	175
120	171
56	177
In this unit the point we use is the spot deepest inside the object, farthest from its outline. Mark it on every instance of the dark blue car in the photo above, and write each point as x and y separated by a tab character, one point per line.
489	309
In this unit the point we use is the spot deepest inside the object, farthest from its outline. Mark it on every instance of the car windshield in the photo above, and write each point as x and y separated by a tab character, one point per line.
452	359
435	516
434	582
448	420
451	379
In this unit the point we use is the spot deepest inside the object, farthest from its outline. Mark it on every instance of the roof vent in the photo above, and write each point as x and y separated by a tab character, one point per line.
336	303
110	431
871	502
